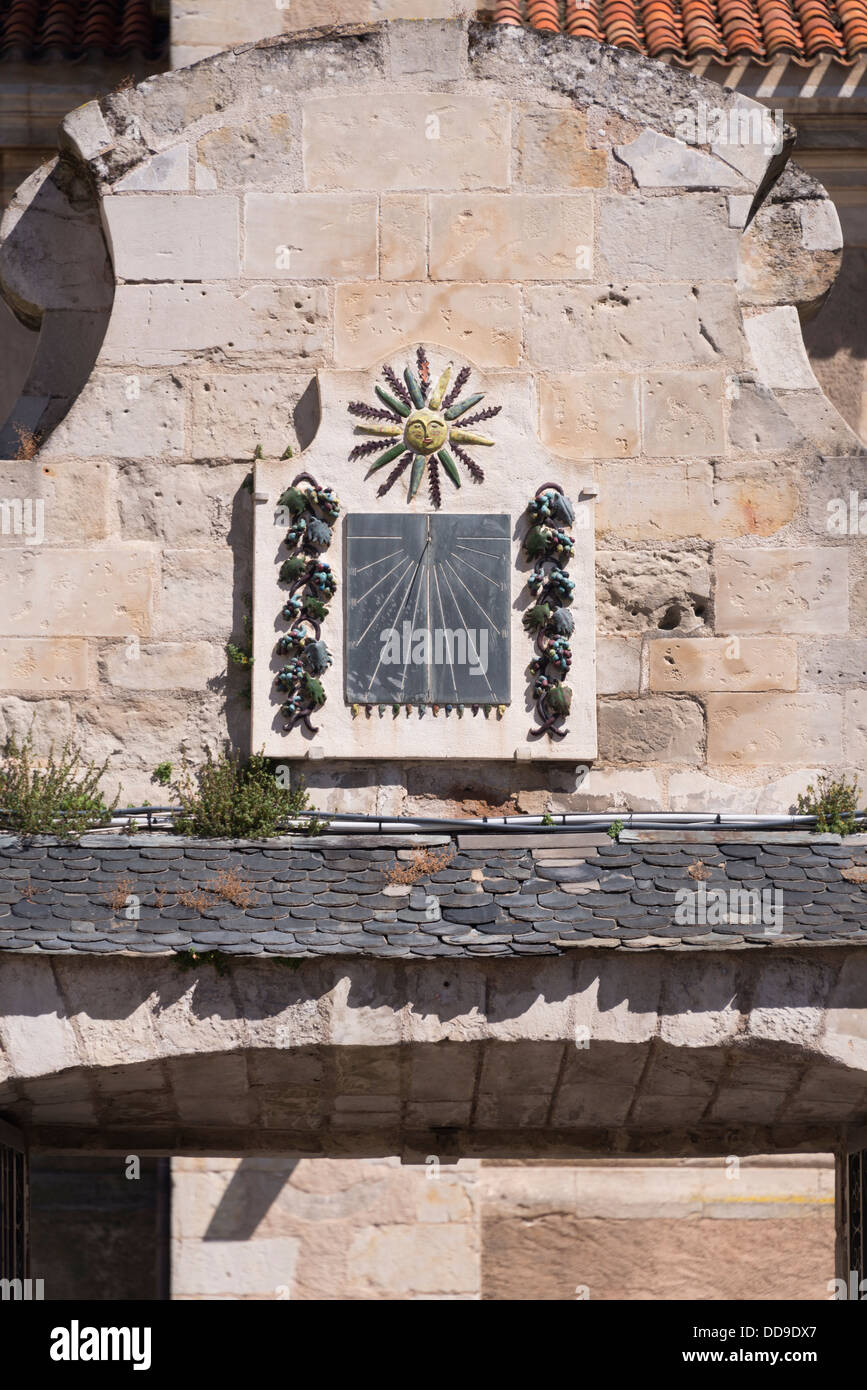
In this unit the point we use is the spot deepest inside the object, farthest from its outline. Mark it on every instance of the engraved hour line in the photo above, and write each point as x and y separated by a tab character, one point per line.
381	580
466	625
448	644
400	604
359	569
475	569
491	554
414	612
379	610
472	596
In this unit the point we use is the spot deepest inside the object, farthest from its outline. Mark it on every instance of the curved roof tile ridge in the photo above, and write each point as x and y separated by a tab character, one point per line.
763	31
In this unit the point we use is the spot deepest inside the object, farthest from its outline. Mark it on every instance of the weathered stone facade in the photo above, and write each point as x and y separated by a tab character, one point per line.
518	199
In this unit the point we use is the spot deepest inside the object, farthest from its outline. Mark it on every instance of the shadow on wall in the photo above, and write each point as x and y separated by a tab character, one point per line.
836	340
56	279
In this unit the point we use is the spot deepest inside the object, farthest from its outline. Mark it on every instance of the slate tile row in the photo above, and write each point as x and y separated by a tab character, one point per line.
342	898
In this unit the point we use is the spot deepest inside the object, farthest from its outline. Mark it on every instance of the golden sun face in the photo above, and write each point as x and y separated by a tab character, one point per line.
423	424
426	431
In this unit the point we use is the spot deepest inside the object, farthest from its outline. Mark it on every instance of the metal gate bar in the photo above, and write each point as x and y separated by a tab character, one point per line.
14	1212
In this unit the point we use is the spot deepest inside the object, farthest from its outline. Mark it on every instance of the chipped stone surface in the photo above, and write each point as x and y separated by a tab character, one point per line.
657	161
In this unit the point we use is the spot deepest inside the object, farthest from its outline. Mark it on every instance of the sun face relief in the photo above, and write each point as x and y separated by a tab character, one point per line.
424	424
425	431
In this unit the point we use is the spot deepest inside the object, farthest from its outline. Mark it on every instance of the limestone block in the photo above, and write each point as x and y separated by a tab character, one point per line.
670	238
551	151
403	237
590	415
696	791
482	321
48	721
406	140
772	730
640	590
620	790
759	421
168	666
835	664
657	161
569	327
227	26
52	250
855	729
781	794
752	138
168	172
683	413
820	226
42	665
518	236
122	416
424	49
53	505
310	236
260	151
184	504
165	727
77	593
196	595
799	591
653	729
37	1036
778	349
164	324
178	237
405	1259
723	663
258	1267
775	267
618	666
233	412
667	500
85	132
837	498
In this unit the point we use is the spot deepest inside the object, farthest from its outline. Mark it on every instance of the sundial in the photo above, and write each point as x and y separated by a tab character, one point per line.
427	609
423	579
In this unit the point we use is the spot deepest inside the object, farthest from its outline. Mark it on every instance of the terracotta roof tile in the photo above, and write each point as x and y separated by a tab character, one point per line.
40	30
728	30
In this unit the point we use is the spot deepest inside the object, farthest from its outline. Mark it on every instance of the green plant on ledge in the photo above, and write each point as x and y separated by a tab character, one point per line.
57	795
615	828
834	803
229	797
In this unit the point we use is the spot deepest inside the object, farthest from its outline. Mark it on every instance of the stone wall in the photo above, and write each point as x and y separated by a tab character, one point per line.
350	1229
519	199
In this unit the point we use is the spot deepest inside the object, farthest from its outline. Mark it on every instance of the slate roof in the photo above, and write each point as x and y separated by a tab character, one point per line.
42	30
336	896
764	31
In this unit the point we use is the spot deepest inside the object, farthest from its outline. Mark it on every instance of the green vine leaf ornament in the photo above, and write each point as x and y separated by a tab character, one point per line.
550	547
313	512
420	424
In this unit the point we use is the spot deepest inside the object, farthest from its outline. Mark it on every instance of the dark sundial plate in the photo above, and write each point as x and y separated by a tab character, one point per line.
428	609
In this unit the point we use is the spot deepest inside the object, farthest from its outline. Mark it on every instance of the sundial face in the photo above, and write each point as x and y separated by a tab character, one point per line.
428	609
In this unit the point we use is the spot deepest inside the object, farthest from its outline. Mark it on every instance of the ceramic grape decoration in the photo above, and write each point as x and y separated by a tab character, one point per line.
313	513
422	425
550	547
